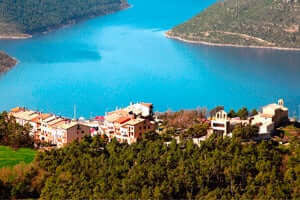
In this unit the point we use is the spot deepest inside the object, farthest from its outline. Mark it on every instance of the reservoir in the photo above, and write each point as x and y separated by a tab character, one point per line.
112	60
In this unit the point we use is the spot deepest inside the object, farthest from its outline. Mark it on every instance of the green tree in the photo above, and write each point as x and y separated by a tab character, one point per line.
243	113
245	132
253	112
232	114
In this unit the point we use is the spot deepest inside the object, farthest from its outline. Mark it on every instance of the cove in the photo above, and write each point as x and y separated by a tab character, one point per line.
124	57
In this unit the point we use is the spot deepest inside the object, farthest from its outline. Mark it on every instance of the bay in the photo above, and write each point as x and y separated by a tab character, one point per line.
112	60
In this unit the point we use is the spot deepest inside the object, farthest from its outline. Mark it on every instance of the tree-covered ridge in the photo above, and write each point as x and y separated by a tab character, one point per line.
268	23
32	16
6	62
221	168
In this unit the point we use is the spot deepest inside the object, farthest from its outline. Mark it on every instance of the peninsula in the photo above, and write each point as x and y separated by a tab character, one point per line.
6	62
21	19
244	23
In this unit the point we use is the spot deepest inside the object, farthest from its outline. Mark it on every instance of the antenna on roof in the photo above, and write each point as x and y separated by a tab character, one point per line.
74	116
299	113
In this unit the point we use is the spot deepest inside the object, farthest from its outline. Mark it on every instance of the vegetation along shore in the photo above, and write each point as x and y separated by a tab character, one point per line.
21	19
171	35
244	23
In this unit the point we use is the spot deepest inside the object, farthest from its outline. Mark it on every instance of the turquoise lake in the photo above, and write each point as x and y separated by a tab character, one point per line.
110	61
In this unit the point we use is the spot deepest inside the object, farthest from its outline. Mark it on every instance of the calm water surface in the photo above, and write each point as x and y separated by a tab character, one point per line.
112	60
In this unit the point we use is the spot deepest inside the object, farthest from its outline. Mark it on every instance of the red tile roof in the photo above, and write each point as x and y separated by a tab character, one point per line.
122	120
99	118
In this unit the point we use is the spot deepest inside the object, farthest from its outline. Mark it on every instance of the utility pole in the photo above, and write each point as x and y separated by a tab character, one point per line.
299	113
74	116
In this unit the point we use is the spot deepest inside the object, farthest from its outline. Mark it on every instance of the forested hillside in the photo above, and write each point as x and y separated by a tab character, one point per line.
33	16
264	23
6	62
221	168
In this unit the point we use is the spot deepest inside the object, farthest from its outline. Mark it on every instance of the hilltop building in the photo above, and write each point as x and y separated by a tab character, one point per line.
220	123
271	117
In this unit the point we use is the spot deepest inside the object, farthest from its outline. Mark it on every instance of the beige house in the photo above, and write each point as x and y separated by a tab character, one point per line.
50	128
133	130
68	132
24	117
130	123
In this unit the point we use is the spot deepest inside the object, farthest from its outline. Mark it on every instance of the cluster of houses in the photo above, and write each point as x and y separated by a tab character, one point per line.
49	128
130	123
267	120
126	125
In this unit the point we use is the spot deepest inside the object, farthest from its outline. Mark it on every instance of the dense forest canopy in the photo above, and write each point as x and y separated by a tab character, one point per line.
268	23
32	16
221	168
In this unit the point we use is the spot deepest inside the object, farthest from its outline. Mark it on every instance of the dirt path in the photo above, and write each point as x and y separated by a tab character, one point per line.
243	36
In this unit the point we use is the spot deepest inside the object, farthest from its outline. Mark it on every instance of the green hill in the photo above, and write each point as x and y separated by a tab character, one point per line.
20	18
261	23
6	62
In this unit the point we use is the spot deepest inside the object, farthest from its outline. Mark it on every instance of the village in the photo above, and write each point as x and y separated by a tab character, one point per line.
129	124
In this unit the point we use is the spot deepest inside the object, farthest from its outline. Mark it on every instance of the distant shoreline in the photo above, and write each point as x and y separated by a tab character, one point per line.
16	36
169	35
8	63
19	36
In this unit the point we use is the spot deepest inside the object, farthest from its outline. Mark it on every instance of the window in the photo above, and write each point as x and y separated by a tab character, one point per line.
218	125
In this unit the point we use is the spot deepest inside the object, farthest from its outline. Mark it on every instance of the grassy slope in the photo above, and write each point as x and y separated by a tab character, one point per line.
272	23
10	157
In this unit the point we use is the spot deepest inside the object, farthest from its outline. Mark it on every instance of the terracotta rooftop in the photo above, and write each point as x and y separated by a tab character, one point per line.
57	120
134	122
122	120
17	109
45	116
60	123
25	115
40	117
113	117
